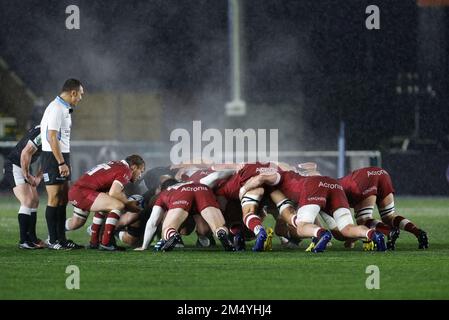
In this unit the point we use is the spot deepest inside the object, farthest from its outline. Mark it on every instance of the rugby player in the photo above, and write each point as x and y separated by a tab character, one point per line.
371	186
24	185
316	195
101	190
173	206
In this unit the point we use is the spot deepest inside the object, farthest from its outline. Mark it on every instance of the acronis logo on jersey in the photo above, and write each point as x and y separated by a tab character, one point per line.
376	173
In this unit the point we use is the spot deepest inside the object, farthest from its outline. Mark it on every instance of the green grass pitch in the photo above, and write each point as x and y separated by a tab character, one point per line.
191	273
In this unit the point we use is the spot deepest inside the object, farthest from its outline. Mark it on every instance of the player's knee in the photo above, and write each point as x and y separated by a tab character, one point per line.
307	214
28	202
35	203
77	223
53	201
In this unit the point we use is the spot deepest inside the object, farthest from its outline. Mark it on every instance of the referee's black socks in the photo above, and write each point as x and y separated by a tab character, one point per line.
51	215
61	217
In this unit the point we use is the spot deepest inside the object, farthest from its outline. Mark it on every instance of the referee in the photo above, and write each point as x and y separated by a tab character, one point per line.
55	127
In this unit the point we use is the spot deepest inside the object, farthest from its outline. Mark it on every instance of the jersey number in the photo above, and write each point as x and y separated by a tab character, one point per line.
97	168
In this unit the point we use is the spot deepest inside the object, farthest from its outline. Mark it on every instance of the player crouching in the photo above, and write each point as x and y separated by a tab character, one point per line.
174	203
101	190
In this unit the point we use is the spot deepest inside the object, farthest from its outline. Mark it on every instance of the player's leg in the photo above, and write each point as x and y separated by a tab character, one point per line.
105	203
347	228
173	220
250	202
128	218
389	216
215	220
233	219
132	234
95	229
363	212
287	234
306	227
331	225
77	220
285	207
364	215
203	231
32	228
24	194
129	239
305	221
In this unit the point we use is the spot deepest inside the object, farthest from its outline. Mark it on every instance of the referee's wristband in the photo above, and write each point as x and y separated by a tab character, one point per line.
61	164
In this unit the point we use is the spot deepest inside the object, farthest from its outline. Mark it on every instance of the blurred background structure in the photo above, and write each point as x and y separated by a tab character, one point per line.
302	67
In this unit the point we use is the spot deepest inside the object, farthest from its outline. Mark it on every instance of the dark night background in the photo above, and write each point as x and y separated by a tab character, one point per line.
310	63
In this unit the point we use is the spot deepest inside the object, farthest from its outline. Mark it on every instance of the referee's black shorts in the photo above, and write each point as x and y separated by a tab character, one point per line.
50	168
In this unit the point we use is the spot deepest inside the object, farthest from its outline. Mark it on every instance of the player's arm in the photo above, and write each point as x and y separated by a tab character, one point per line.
157	214
25	160
116	191
285	166
64	169
211	179
270	179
